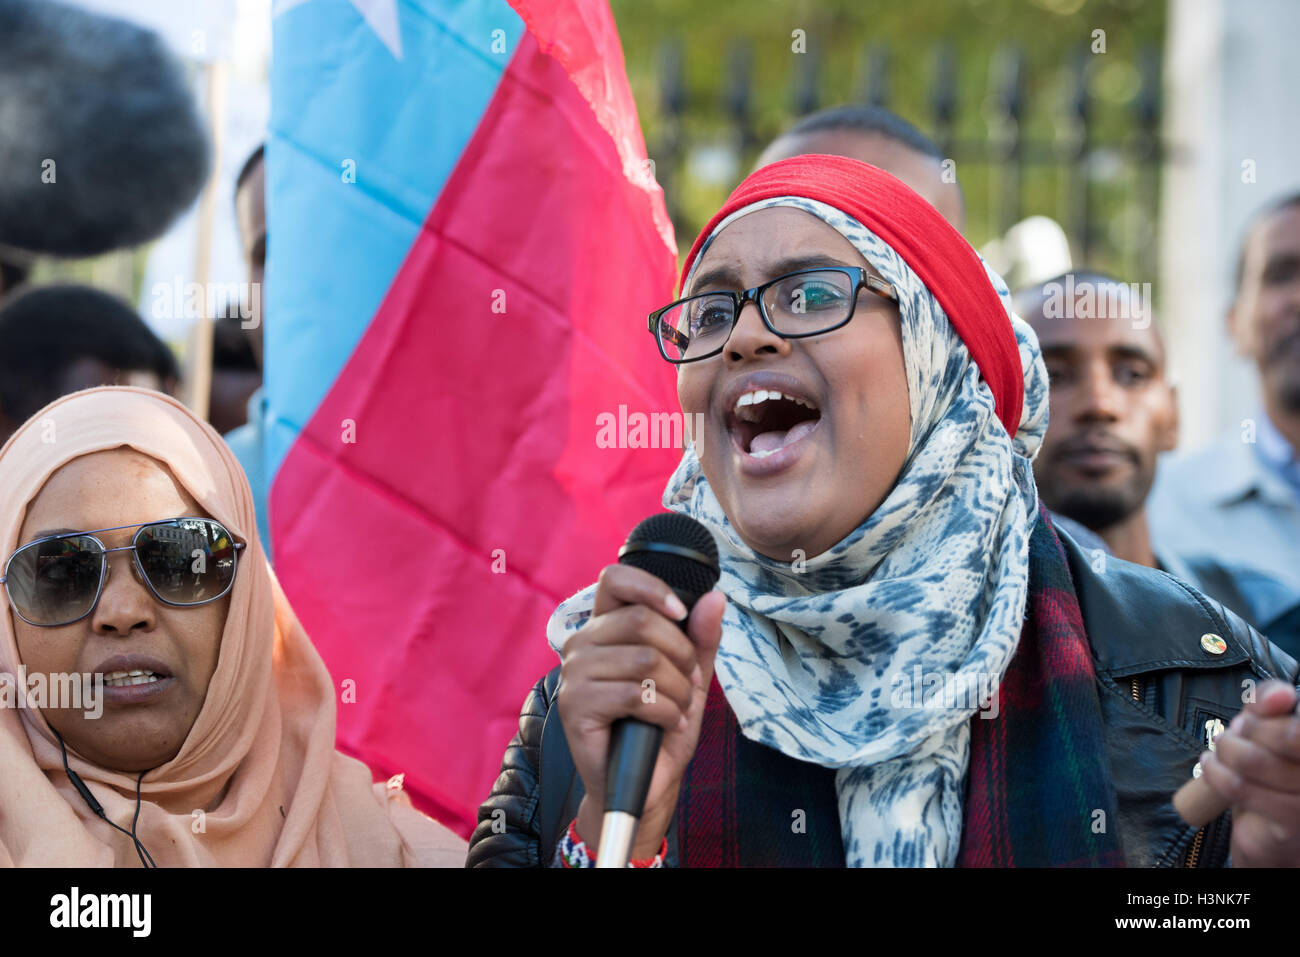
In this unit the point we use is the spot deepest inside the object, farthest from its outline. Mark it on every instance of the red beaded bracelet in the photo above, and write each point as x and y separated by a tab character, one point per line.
572	851
657	860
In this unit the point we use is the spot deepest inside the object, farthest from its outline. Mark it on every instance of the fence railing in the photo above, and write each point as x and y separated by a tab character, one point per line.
1106	188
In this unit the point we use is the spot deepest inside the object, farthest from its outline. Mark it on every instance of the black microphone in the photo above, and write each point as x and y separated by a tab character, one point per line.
681	552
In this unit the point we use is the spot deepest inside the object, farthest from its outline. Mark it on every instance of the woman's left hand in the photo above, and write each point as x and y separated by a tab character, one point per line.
1256	767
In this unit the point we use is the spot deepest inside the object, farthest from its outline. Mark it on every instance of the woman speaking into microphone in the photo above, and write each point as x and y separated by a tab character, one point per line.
905	663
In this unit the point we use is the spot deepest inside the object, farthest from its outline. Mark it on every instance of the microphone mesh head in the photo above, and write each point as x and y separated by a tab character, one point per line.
686	575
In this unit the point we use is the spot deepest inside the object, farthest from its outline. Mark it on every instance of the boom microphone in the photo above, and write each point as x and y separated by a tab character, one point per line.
101	144
681	552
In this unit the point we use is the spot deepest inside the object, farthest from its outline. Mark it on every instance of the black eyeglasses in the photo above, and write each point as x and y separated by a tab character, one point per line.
58	580
794	306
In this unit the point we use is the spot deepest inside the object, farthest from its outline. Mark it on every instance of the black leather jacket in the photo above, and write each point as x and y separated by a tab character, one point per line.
1160	692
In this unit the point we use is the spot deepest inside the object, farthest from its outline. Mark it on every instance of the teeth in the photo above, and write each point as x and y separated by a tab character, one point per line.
761	455
125	679
764	395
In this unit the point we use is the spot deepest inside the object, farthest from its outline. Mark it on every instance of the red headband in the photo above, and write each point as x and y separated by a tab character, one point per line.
926	241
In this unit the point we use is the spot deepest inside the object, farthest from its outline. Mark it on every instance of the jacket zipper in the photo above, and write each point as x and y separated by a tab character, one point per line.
1213	728
1194	854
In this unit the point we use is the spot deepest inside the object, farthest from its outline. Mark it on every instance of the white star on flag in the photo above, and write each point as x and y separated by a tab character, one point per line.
380	15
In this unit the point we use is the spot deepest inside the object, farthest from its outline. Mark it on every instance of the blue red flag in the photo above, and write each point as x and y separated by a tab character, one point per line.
464	242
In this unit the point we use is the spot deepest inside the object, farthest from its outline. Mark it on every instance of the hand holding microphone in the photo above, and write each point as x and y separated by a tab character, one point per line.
640	656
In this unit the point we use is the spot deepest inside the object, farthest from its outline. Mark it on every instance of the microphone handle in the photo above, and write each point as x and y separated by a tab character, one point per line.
633	751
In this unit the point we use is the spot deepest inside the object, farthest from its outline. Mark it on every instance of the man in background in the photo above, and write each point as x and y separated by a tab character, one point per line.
874	135
1240	497
250	217
1111	412
236	374
247	440
59	339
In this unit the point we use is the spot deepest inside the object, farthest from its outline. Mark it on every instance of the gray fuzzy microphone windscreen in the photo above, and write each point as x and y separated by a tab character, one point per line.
101	142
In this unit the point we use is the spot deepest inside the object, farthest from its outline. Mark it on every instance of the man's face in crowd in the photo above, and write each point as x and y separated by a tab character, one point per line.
922	173
1111	409
1265	319
250	215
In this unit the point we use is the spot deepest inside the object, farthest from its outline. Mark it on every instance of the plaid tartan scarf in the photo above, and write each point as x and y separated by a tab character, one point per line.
1039	775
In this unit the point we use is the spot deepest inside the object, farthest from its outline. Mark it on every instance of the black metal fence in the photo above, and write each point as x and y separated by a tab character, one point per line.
1102	187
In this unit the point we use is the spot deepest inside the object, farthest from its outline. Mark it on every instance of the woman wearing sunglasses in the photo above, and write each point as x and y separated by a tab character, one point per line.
904	664
183	717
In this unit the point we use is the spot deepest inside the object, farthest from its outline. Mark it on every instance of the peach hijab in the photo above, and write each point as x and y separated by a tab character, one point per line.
259	761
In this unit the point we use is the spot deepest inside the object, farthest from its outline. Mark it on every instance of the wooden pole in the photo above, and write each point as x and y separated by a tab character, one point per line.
198	363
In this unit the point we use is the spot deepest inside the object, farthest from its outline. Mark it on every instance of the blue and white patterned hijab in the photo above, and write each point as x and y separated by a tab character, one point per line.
874	656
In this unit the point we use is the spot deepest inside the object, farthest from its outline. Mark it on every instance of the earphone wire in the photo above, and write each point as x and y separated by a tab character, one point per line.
146	859
139	846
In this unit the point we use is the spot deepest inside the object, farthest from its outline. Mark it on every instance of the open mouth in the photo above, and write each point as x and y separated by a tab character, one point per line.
765	421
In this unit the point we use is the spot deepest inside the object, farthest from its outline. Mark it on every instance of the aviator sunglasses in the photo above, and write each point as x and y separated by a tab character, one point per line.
58	579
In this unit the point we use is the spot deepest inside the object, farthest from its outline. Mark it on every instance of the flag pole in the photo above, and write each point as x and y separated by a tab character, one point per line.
199	354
